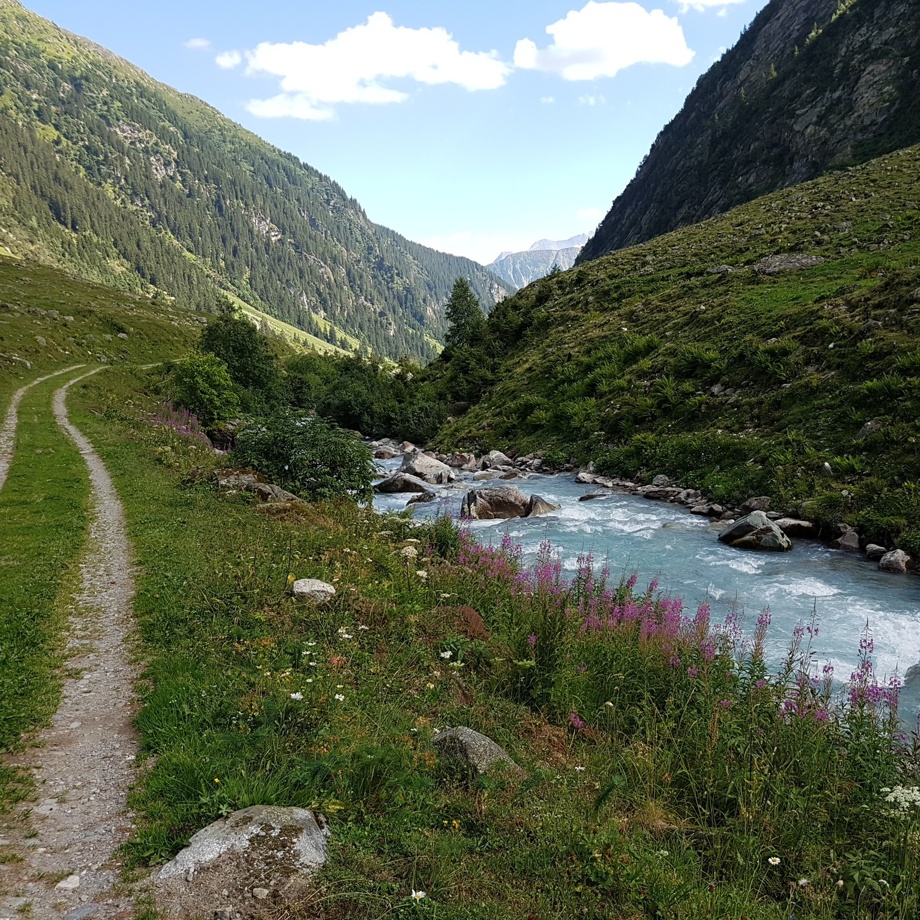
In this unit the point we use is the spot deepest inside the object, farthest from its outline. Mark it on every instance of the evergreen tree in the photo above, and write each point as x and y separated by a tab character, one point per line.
466	321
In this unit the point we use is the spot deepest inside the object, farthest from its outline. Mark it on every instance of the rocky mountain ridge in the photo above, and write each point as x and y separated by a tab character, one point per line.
519	269
812	85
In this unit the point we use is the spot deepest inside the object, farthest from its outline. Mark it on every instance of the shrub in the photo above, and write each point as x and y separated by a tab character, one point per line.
201	383
307	455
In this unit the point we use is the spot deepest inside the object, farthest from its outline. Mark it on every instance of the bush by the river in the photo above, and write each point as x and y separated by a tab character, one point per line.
306	455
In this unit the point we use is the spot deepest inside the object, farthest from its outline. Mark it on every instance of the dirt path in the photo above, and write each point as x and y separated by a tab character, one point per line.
8	428
86	760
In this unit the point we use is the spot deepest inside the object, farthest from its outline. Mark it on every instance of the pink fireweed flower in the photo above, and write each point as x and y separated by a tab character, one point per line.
575	721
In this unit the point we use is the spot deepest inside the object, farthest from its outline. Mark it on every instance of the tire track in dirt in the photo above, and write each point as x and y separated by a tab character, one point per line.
85	764
8	428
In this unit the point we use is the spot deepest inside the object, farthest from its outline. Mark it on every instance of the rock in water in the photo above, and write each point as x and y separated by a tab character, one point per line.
427	468
493	459
537	505
896	561
471	751
756	531
494	503
262	848
313	591
402	482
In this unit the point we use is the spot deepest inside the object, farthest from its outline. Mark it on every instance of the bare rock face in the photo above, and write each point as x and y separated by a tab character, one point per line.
258	857
756	531
896	561
471	751
494	503
427	469
537	505
312	591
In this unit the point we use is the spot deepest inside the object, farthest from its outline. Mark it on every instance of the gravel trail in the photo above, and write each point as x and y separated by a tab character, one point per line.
8	428
85	762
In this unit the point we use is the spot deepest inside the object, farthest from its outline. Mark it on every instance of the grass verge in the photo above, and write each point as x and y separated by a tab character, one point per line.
44	510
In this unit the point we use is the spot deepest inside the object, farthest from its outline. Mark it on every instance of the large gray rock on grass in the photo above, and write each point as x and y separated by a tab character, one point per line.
895	561
494	503
263	855
756	531
401	482
427	468
471	751
312	591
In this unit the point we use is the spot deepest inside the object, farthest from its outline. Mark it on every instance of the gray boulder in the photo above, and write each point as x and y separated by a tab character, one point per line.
471	751
385	453
312	591
756	531
423	498
758	503
874	552
494	503
273	494
537	505
493	459
793	527
463	461
895	561
427	468
401	482
848	541
261	852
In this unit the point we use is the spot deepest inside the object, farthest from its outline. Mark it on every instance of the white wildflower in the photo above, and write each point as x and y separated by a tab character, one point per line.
409	552
297	696
340	697
903	798
422	574
773	860
447	654
417	895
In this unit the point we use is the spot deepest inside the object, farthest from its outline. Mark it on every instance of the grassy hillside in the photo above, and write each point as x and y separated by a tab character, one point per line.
50	320
110	175
689	356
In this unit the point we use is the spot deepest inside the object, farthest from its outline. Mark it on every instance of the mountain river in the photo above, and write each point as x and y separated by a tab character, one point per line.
633	534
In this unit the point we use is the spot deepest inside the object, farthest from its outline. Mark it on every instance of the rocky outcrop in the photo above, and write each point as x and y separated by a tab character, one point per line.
537	505
495	459
471	751
756	531
254	483
810	85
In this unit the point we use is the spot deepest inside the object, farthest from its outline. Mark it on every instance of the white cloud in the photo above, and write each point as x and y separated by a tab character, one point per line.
547	100
702	5
592	100
198	44
354	66
602	39
227	60
483	248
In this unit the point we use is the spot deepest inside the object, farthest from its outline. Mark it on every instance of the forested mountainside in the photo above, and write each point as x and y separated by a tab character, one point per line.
110	175
774	350
812	85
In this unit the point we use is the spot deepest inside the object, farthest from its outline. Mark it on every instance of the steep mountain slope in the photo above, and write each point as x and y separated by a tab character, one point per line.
812	85
773	350
111	175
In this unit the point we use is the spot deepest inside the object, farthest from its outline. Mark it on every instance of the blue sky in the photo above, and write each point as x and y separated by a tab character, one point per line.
471	126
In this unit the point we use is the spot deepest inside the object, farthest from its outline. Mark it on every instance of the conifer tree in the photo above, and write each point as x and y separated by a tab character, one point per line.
466	321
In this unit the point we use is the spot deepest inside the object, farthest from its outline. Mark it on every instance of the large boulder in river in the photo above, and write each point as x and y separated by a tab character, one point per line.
462	461
494	503
493	459
427	468
756	531
401	482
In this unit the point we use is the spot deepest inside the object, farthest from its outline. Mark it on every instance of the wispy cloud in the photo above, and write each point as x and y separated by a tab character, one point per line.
198	44
601	39
483	248
592	100
227	60
359	65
